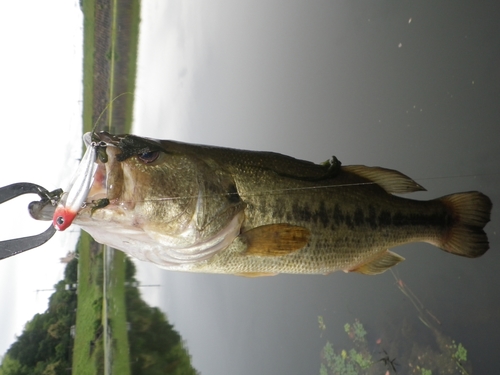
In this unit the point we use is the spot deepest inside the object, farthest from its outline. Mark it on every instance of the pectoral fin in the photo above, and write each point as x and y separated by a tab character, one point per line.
275	239
380	264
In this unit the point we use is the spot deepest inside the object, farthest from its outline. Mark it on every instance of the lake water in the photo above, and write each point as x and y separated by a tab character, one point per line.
409	86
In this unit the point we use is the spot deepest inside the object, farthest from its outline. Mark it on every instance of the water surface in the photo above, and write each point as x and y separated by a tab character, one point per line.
409	86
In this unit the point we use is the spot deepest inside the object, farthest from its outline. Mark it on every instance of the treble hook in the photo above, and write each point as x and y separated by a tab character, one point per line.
16	246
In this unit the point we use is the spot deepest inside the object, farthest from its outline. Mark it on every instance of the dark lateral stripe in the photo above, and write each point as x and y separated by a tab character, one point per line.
366	217
386	218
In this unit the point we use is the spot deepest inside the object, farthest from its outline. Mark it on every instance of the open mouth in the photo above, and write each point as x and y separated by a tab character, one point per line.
94	185
98	190
106	188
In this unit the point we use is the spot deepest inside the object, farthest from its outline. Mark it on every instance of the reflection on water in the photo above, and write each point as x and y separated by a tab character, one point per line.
403	346
361	82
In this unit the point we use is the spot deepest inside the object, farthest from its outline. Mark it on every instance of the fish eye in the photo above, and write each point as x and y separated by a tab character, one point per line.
148	157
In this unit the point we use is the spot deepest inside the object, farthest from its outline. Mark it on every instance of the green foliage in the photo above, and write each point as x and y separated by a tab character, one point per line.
359	331
155	347
45	345
347	328
356	360
87	341
10	366
339	363
321	323
117	315
71	271
460	353
363	361
130	271
443	357
355	331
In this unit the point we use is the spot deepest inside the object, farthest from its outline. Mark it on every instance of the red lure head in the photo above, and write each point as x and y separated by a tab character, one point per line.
63	217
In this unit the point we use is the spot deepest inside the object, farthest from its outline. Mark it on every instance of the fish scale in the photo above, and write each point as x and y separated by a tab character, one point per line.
219	210
338	242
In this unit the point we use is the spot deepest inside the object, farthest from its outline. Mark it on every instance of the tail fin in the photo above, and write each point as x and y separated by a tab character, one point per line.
471	212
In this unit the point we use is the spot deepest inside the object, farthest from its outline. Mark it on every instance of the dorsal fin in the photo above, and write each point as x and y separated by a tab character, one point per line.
380	264
390	180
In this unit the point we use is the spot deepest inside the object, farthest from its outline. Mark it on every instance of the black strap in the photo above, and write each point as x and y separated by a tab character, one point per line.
15	246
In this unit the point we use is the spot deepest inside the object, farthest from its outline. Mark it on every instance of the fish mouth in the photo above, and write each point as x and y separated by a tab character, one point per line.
98	189
107	185
108	179
108	188
112	151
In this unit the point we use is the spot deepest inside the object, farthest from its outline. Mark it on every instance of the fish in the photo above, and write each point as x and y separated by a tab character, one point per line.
209	209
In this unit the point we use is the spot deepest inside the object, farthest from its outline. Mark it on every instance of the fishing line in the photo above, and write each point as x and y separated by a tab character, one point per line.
106	108
243	195
266	192
288	190
459	176
273	191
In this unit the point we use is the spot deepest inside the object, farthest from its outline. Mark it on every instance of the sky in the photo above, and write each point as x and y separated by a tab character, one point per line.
41	75
407	86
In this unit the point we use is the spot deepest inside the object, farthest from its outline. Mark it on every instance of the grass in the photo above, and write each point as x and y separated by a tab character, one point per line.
132	62
85	356
86	347
88	63
117	315
98	308
113	56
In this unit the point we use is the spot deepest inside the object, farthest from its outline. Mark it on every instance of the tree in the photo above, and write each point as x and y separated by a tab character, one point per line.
10	366
155	347
45	346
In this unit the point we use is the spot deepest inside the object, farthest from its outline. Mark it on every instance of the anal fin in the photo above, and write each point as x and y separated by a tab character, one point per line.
380	264
275	239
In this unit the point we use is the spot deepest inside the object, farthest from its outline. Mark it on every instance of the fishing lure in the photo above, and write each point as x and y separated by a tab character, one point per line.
78	189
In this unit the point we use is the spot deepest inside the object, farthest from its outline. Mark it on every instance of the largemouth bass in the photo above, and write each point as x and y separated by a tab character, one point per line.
218	210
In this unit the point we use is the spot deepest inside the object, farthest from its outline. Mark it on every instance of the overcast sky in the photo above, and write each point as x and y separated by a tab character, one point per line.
40	117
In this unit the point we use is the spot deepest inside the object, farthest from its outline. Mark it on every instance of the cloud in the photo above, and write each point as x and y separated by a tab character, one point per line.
41	112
